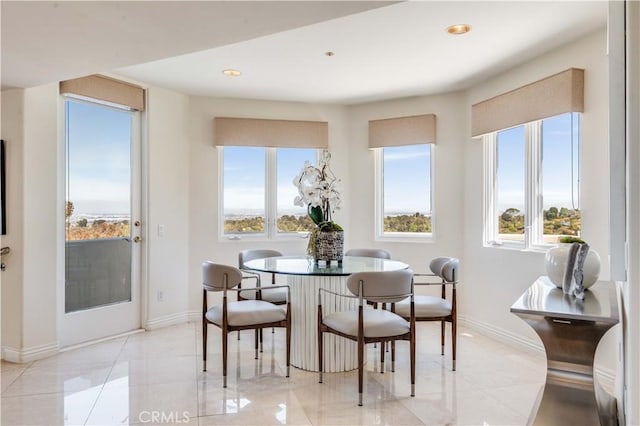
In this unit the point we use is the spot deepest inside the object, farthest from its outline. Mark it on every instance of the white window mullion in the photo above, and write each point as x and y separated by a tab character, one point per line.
533	185
491	234
271	192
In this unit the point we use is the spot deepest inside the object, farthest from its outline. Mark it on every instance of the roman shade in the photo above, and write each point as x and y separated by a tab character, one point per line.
270	133
399	131
105	89
554	95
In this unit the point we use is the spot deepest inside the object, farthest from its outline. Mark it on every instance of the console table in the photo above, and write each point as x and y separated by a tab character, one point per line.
305	277
570	330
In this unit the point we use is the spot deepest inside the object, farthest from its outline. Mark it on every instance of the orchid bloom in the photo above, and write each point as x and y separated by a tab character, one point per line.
318	187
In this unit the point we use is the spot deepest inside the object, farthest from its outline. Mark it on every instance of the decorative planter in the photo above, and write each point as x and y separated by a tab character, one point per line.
329	246
556	261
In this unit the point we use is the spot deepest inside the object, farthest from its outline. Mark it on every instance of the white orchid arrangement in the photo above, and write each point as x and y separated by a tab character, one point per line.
319	190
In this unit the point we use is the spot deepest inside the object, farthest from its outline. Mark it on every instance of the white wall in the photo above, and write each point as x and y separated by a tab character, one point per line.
12	119
494	277
29	316
166	160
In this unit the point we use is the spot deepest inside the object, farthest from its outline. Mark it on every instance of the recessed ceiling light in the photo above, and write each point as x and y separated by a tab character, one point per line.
231	73
458	29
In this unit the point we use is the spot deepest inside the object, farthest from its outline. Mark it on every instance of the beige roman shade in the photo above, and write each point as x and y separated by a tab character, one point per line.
105	89
414	130
554	95
270	133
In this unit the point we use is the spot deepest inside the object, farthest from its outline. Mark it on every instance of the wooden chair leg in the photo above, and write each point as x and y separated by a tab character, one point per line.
204	345
320	355
412	349
261	343
224	359
288	346
393	356
257	334
442	337
360	369
382	345
454	333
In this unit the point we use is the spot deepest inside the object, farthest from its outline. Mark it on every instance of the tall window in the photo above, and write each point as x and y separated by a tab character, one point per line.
258	191
404	191
532	183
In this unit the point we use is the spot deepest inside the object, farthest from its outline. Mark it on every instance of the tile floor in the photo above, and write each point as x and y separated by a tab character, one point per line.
156	378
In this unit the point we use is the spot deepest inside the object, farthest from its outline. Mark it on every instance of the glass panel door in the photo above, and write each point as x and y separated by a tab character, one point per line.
100	217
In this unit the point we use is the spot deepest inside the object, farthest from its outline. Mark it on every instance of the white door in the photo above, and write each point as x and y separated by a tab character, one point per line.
101	294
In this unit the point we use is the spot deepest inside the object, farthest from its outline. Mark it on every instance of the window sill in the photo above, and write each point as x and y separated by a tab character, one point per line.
519	247
262	237
408	238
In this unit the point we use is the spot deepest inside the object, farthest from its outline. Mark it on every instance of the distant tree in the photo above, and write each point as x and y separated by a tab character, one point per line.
82	223
551	214
68	209
509	214
564	212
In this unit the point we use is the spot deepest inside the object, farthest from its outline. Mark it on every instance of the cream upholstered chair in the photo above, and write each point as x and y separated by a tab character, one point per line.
365	325
277	295
239	315
369	252
434	308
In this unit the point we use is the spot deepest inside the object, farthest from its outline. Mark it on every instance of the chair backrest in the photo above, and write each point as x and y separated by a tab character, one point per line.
386	286
369	252
216	276
247	255
445	267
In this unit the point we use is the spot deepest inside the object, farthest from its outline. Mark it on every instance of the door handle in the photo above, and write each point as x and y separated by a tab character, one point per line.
137	239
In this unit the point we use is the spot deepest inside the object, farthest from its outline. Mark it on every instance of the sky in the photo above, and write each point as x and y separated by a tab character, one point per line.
99	168
99	159
556	164
244	177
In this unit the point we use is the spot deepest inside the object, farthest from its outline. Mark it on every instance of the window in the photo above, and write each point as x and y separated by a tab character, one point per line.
404	191
531	182
258	191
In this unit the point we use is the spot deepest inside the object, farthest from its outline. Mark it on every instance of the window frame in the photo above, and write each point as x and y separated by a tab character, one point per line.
533	190
379	234
271	201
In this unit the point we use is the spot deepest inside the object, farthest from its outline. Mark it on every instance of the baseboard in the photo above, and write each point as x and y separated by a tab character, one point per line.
101	340
605	376
168	320
194	316
33	353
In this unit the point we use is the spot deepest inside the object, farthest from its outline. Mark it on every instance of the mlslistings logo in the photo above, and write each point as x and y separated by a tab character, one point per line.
163	417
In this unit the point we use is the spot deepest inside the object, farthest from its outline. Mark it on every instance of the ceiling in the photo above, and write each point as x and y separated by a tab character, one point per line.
382	50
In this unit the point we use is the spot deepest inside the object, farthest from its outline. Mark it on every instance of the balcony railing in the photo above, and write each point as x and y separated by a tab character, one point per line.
98	273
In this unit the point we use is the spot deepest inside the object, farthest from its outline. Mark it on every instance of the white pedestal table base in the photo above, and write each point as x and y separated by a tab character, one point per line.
340	354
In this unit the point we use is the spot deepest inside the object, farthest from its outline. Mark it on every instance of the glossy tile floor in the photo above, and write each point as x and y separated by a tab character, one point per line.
156	378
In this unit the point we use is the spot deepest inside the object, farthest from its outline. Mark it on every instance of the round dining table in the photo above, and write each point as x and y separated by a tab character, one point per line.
305	277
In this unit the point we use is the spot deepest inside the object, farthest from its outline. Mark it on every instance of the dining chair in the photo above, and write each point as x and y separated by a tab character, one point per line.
277	295
434	308
238	315
366	325
369	252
